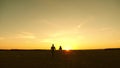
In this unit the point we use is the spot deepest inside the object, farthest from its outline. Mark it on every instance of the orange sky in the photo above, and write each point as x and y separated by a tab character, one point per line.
74	24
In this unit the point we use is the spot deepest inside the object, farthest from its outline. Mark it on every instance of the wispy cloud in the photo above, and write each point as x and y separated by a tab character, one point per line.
79	26
106	29
85	23
2	38
25	35
119	41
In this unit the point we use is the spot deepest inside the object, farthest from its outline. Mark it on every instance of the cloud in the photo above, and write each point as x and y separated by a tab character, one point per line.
1	38
106	29
119	41
85	23
79	26
64	33
25	35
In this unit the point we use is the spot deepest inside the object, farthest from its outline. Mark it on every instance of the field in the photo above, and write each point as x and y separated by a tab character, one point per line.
66	59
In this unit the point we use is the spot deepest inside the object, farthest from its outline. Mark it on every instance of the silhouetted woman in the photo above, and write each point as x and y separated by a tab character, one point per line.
53	49
60	50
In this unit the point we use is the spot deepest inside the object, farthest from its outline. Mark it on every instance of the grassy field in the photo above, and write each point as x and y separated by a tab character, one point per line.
68	59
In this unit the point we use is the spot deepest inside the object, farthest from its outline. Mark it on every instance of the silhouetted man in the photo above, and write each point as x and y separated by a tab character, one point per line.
53	49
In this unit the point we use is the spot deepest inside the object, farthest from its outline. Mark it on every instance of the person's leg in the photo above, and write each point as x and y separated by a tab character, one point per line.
52	52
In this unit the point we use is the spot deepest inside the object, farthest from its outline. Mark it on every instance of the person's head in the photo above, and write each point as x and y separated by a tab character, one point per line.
52	45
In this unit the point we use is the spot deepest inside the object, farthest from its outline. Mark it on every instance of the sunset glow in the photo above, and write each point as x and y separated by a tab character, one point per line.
67	49
73	24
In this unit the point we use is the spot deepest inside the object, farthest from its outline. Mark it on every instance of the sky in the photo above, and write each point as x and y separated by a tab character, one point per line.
73	24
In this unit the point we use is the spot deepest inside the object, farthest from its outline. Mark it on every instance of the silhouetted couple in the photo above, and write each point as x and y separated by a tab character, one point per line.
53	49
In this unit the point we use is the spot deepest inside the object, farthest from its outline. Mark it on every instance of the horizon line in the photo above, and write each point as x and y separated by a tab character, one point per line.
65	49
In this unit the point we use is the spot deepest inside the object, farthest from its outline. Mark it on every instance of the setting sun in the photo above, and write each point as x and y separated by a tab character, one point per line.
67	49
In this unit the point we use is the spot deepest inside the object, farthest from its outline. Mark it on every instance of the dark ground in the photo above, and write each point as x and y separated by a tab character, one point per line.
71	59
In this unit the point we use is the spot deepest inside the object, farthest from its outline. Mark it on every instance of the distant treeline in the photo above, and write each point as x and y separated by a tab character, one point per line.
112	49
48	49
22	49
